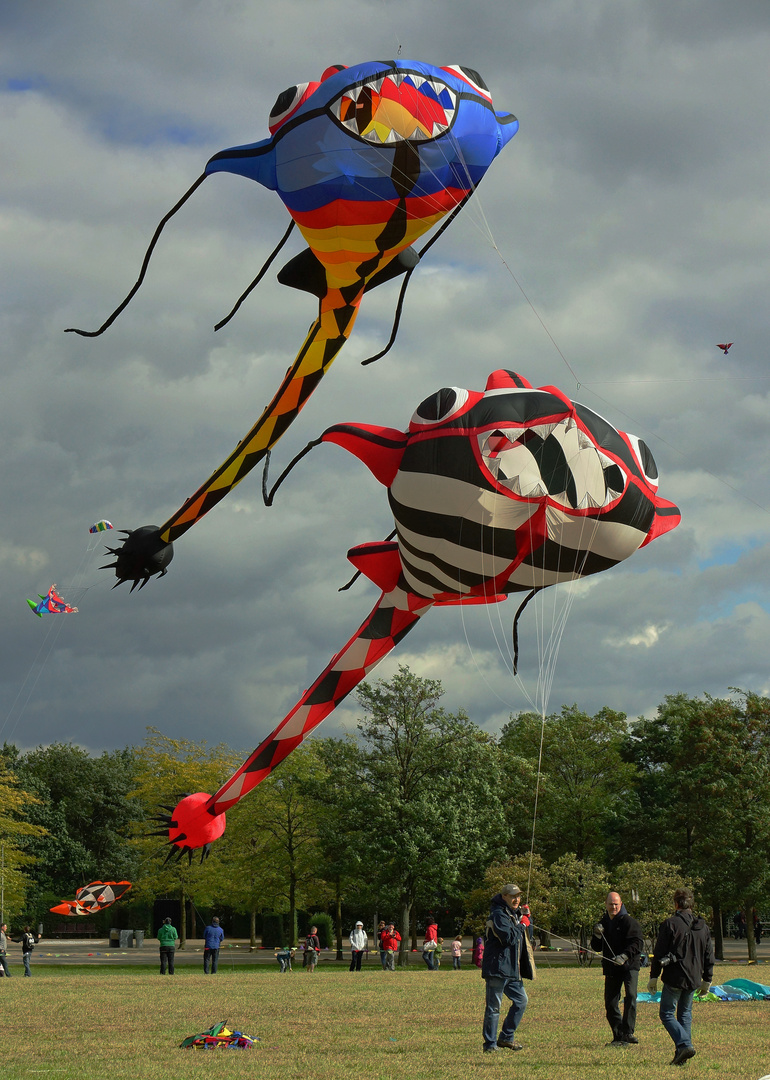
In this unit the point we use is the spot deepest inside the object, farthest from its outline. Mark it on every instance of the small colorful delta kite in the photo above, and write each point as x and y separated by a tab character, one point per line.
365	161
52	604
93	897
512	489
725	347
219	1037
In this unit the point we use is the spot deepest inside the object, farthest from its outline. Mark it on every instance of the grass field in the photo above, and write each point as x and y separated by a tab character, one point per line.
74	1022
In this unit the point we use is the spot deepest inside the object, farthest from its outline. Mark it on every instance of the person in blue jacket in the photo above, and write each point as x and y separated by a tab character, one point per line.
507	961
213	936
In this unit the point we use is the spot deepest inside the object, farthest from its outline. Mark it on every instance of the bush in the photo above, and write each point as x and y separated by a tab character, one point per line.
325	925
273	931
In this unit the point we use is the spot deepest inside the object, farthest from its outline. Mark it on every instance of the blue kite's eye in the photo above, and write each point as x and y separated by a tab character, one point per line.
440	406
286	103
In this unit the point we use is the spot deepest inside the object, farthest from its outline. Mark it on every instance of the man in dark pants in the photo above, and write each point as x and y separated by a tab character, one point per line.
684	953
213	936
167	939
507	960
621	941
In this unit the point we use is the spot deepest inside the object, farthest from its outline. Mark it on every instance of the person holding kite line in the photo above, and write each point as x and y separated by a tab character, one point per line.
621	941
507	961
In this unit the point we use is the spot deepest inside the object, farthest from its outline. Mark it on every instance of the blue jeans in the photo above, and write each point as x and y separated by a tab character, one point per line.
514	990
676	1014
428	958
210	956
25	957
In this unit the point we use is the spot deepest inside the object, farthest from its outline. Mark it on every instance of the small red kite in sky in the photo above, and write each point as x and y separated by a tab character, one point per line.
725	347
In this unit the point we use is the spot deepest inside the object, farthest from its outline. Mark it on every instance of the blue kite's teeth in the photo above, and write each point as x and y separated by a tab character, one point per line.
374	86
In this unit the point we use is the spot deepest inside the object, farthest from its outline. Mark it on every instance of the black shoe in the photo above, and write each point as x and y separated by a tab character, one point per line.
506	1045
629	1039
490	1049
682	1055
616	1041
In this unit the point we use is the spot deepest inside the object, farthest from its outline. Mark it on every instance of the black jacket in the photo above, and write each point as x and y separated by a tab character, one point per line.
686	938
622	934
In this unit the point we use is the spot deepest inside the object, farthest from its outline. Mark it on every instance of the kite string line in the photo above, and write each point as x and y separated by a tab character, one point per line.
580	385
54	629
51	637
578	948
534	811
548	653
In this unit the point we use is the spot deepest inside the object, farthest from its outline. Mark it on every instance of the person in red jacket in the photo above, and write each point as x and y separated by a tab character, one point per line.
429	945
391	939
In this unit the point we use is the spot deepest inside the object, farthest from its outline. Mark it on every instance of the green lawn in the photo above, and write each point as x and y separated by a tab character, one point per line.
127	1022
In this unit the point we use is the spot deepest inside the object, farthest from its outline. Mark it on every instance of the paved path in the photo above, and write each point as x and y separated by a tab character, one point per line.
238	954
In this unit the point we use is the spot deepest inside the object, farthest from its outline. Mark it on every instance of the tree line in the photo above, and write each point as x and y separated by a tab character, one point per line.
421	812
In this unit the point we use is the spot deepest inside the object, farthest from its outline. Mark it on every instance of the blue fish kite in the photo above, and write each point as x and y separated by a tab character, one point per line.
366	161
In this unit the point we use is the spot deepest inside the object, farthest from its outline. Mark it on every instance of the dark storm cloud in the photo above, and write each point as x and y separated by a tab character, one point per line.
631	210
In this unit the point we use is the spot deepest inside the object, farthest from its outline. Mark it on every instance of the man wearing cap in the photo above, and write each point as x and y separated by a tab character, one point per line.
620	939
358	943
213	936
507	960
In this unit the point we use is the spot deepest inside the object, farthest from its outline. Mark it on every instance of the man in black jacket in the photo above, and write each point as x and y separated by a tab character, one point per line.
684	953
621	941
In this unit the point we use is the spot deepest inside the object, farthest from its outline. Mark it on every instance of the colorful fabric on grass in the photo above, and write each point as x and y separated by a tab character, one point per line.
219	1037
734	990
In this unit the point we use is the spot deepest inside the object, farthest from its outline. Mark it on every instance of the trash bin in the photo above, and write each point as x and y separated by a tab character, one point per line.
126	939
114	938
138	939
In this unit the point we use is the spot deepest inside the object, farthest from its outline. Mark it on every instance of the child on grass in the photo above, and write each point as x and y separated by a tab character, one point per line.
284	957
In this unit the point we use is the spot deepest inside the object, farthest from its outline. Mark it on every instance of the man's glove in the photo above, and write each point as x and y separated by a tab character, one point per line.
652	986
598	930
620	959
705	986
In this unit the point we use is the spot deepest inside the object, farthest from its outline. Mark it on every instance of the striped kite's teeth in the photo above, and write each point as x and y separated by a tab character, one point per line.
544	430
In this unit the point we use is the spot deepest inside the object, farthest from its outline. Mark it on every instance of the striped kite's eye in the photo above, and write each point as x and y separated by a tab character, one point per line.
441	406
646	461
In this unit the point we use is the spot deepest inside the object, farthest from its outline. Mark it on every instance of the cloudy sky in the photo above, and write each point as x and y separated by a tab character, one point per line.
618	238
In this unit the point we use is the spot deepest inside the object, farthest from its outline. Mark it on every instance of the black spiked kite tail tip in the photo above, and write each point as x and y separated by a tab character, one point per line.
141	556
